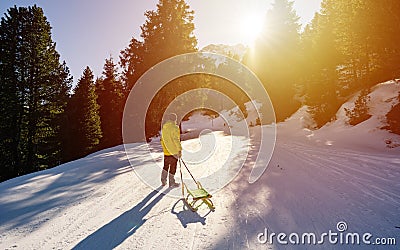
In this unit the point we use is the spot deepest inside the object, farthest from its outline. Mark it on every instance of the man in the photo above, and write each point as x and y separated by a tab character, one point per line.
171	144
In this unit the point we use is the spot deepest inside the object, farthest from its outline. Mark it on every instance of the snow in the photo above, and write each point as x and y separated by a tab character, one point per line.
314	180
366	136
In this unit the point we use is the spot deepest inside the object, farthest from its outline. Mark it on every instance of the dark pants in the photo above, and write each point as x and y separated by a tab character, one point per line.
170	163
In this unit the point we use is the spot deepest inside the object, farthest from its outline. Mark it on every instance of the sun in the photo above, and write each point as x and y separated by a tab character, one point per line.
250	27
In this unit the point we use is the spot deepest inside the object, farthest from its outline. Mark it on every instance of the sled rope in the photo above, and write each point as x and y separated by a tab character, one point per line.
180	169
180	162
199	194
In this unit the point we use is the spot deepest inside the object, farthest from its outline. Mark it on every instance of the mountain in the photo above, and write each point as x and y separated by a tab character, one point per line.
237	51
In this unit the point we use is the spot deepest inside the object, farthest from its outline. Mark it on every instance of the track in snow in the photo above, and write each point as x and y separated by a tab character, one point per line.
99	202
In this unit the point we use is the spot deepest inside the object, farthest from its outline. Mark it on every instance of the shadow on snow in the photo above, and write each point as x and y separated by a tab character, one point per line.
118	230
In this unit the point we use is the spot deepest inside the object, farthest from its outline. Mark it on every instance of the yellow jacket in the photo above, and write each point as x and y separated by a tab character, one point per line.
170	138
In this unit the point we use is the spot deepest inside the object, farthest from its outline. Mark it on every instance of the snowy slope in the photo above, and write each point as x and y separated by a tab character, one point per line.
364	136
314	180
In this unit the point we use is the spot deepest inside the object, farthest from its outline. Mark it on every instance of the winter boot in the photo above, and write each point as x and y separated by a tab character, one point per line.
164	178
172	183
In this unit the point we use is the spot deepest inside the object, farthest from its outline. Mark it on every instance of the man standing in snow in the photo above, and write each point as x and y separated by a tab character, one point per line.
171	144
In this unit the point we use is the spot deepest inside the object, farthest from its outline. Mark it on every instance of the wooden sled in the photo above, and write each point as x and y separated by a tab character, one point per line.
197	195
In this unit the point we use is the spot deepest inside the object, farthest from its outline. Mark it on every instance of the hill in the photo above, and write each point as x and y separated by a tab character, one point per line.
339	179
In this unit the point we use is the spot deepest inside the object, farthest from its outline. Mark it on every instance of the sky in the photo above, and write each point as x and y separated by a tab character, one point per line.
87	32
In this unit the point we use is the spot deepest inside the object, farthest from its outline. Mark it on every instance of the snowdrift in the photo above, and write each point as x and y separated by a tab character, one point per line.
366	136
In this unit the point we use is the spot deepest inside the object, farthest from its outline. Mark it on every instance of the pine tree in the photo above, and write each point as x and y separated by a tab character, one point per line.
360	112
393	118
132	62
33	93
168	31
84	130
319	73
111	99
349	46
275	58
373	40
366	34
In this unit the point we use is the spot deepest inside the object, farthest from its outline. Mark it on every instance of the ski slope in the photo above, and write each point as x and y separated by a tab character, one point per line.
315	180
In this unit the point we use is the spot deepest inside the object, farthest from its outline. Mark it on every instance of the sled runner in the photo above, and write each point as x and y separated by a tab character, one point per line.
196	195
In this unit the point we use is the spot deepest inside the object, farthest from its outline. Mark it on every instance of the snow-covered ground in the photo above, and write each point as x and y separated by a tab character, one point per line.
315	180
